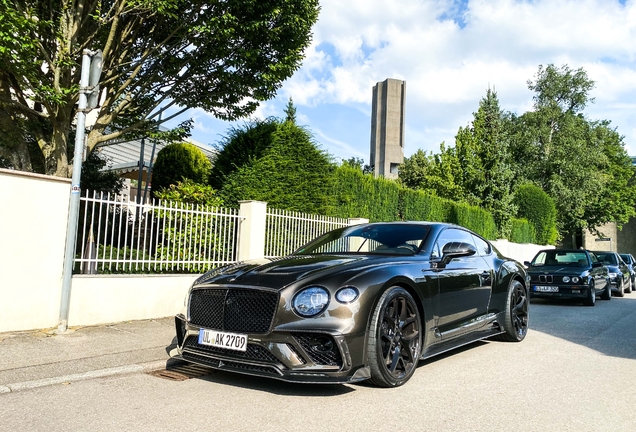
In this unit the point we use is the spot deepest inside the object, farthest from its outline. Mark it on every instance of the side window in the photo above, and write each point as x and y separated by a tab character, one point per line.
593	258
540	259
452	235
483	247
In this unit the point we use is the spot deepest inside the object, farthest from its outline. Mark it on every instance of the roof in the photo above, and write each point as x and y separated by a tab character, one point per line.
123	156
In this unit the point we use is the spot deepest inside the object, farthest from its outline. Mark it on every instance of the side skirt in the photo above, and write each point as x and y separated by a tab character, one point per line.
466	339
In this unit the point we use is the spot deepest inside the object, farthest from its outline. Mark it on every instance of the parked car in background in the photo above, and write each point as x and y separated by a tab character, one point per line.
631	265
568	273
362	302
620	277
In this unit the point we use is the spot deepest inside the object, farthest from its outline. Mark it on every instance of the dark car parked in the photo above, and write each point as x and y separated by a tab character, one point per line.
568	273
631	265
361	302
620	278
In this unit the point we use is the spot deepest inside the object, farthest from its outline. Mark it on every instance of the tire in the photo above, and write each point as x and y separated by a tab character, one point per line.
629	288
394	343
590	300
620	292
515	323
607	292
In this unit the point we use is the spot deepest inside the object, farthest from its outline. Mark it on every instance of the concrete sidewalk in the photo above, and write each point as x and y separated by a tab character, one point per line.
39	358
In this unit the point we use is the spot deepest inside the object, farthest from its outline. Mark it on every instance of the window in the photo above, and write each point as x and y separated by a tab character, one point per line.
483	247
452	235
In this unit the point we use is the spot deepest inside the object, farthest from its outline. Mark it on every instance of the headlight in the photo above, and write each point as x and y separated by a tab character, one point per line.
612	275
311	301
575	279
347	294
566	279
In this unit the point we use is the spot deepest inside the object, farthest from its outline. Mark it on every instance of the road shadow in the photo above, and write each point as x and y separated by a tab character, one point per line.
609	327
274	386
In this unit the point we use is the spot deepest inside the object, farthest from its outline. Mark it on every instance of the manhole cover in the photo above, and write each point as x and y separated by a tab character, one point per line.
181	372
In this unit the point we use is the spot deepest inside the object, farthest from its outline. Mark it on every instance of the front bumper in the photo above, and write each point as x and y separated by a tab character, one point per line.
293	356
564	291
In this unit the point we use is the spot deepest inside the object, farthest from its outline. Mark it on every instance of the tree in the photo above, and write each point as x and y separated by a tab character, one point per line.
484	155
290	111
158	55
178	161
436	173
356	162
94	178
581	164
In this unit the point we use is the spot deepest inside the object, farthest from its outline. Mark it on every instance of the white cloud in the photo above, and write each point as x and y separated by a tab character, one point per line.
450	55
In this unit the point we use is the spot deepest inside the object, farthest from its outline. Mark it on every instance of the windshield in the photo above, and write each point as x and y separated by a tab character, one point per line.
627	258
391	239
607	258
561	258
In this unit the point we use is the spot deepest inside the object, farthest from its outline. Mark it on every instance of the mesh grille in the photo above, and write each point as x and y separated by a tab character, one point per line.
234	310
253	352
321	348
200	359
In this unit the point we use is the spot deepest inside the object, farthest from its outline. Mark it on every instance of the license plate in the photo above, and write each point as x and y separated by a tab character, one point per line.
543	288
232	341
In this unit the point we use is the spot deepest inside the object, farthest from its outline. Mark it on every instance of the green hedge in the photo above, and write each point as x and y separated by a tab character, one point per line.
474	218
361	195
419	205
539	209
522	232
381	200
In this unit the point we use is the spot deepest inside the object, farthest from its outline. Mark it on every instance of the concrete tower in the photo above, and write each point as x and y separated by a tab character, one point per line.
387	127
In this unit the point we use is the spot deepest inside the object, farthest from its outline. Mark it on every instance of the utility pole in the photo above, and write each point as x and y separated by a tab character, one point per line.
88	98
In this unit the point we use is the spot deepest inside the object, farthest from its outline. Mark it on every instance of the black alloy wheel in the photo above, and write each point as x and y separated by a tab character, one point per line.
590	300
395	338
607	292
515	323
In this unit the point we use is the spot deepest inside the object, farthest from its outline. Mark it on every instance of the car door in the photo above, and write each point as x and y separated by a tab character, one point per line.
599	273
464	285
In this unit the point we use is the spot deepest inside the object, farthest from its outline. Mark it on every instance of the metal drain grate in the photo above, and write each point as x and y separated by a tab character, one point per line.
181	372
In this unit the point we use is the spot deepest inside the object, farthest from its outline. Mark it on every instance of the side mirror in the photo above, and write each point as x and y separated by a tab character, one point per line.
597	264
457	249
526	263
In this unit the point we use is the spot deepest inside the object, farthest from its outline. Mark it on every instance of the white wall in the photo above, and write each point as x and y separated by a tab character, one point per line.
33	217
105	299
519	252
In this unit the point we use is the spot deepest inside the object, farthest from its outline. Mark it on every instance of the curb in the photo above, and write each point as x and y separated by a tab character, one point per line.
119	370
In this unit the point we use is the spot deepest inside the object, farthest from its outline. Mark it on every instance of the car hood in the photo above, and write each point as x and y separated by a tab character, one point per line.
280	272
562	270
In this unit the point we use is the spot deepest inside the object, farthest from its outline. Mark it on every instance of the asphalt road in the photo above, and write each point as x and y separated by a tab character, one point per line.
575	371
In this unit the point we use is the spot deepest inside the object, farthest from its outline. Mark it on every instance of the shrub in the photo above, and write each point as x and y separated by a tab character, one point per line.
539	209
242	146
292	174
179	161
522	231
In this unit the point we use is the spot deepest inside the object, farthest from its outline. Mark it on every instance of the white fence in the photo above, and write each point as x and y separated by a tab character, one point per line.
286	230
120	236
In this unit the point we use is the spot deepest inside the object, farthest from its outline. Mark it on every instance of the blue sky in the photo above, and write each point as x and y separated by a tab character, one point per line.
450	52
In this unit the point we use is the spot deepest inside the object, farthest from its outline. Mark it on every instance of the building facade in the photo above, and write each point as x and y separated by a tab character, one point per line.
387	127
